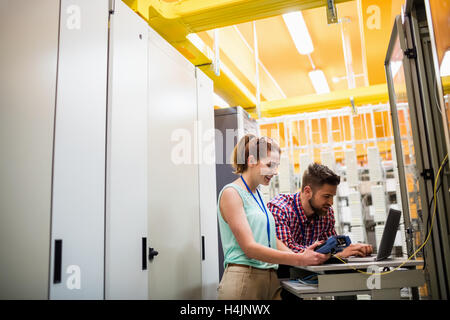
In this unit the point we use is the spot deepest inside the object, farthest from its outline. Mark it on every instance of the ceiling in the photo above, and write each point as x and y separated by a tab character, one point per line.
283	71
190	26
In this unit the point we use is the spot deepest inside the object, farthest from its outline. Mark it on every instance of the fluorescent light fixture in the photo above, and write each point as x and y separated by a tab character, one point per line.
319	81
445	65
218	101
299	32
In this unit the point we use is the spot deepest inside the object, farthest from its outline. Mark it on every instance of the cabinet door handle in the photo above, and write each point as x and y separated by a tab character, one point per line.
203	248
144	253
57	262
152	253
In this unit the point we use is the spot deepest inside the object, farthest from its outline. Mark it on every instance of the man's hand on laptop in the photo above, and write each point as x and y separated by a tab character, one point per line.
356	249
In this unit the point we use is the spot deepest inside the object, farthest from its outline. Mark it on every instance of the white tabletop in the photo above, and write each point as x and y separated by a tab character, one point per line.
392	263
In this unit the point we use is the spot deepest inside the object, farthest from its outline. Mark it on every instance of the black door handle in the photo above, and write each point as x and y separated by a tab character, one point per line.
203	248
57	263
144	258
152	253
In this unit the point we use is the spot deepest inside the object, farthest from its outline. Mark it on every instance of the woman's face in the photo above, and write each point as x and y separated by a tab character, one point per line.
266	168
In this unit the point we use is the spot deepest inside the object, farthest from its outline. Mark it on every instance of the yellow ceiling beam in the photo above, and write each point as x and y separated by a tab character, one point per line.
234	54
175	20
333	100
227	86
201	15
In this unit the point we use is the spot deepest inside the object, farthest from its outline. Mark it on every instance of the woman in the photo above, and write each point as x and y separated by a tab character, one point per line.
247	228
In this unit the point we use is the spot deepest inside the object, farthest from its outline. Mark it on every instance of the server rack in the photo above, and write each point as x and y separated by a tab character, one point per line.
410	73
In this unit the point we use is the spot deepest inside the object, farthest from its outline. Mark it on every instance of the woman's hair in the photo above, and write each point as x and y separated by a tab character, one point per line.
249	145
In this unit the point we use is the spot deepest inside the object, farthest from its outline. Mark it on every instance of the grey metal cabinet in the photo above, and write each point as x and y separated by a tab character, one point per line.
92	104
174	219
126	269
28	64
411	79
182	222
207	185
78	202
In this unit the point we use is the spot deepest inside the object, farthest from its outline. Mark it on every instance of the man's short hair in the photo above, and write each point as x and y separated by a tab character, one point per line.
317	175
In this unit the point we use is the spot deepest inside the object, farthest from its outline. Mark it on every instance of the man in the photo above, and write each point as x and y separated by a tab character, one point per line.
307	216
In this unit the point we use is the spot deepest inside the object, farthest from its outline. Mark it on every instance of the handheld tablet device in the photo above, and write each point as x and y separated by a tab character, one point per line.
334	244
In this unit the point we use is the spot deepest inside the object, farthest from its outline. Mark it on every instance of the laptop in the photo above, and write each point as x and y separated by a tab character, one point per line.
387	240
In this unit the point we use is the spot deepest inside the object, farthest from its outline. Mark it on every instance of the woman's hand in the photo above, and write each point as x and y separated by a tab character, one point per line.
309	257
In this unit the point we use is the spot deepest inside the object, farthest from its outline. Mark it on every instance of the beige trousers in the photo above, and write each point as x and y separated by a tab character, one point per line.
249	283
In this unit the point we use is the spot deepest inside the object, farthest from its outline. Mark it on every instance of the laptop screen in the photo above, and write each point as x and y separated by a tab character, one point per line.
389	234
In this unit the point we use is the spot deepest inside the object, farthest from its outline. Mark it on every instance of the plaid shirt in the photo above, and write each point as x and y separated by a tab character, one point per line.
294	228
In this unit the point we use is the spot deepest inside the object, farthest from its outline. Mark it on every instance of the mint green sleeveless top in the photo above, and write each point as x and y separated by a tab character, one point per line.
258	223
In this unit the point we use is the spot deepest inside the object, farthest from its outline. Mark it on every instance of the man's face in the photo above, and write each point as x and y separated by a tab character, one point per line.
322	199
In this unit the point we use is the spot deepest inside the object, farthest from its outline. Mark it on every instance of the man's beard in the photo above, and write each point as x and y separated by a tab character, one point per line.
319	211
